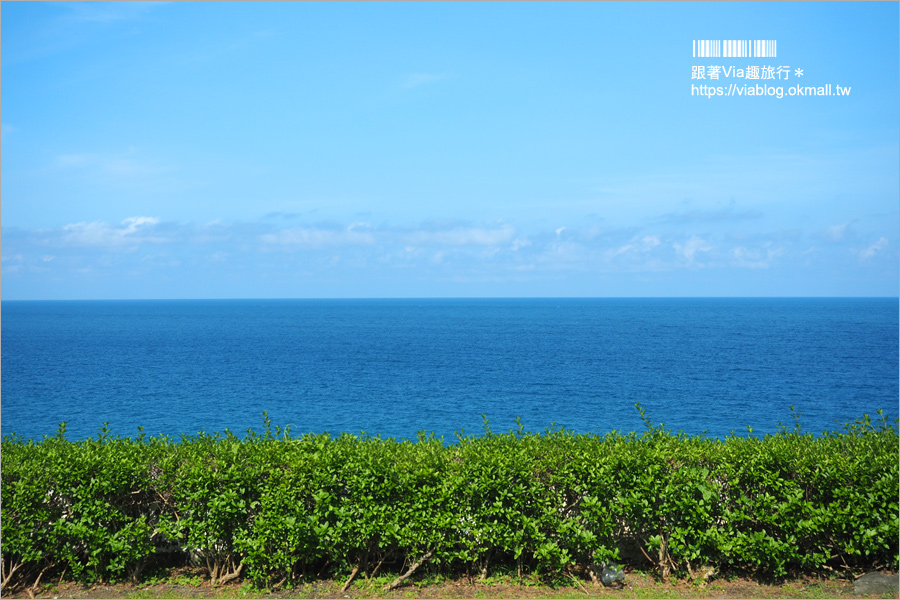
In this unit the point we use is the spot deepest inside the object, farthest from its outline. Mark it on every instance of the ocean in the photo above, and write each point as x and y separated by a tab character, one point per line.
397	367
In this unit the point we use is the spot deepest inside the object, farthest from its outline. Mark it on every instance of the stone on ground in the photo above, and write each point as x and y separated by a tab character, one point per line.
874	583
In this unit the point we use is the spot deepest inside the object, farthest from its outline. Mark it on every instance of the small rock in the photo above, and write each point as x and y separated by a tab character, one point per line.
875	583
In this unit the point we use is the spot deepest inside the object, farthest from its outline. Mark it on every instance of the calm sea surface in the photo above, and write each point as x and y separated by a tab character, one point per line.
395	367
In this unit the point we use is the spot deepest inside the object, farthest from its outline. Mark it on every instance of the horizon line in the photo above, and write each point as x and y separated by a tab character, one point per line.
786	297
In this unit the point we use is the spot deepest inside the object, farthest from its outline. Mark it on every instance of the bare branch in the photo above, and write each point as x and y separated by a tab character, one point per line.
411	570
352	577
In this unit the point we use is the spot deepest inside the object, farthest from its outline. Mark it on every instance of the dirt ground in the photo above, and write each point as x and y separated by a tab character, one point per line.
188	583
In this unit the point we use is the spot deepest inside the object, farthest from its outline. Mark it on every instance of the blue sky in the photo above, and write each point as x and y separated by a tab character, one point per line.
230	150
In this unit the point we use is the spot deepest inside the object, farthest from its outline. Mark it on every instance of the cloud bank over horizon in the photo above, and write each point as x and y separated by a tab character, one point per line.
449	257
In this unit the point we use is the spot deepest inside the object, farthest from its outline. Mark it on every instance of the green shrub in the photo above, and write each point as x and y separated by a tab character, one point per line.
275	508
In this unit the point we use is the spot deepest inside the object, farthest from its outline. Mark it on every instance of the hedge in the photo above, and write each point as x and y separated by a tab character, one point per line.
274	508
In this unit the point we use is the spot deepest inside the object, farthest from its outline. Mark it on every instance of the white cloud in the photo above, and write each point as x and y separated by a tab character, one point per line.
519	243
355	249
565	252
747	258
317	238
130	232
470	236
874	248
837	233
645	244
135	223
26	264
690	248
755	258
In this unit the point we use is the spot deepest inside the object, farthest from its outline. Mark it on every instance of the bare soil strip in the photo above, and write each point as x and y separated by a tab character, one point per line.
188	583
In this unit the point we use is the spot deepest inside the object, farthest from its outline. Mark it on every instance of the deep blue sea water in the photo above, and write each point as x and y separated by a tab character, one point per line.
396	367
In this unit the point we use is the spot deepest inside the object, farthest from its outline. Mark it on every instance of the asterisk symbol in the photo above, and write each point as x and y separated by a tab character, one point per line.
798	72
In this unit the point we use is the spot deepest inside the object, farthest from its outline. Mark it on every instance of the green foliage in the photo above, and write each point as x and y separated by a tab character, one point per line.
275	508
87	505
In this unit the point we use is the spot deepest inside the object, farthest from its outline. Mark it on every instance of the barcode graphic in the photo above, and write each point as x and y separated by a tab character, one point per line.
735	48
